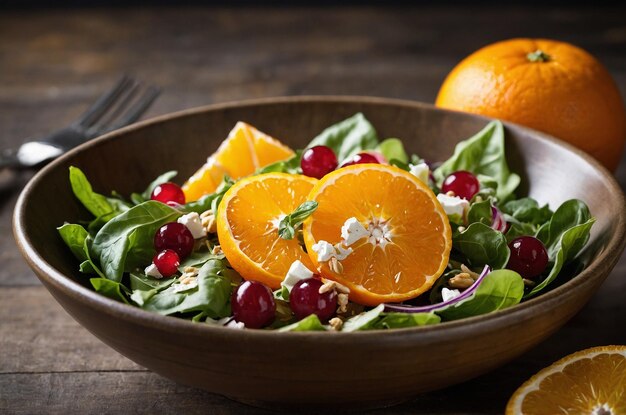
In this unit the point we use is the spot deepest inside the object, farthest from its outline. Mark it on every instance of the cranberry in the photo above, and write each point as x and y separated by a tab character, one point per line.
253	305
174	236
361	158
168	193
167	262
318	161
305	299
463	183
529	257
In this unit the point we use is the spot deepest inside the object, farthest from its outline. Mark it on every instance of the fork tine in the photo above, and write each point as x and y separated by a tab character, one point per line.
136	109
104	102
116	109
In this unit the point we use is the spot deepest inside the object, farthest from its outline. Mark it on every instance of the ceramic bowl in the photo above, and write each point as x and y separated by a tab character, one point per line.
351	370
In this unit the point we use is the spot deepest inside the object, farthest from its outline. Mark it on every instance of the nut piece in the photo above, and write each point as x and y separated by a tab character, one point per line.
327	286
461	281
208	221
529	283
335	266
335	323
471	273
217	250
342	288
450	193
342	302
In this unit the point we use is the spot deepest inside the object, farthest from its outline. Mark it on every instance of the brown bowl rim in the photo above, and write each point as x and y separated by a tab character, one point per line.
467	326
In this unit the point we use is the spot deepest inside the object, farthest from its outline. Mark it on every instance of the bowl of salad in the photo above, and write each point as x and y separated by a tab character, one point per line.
327	251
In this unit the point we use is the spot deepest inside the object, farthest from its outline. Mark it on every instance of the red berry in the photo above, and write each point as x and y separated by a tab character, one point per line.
168	193
167	262
529	257
318	161
361	158
305	299
253	305
463	183
174	236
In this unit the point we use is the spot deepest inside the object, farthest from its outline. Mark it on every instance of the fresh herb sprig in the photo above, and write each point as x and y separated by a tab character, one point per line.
290	223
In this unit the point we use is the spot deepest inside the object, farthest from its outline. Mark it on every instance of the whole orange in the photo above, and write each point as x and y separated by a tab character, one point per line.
551	86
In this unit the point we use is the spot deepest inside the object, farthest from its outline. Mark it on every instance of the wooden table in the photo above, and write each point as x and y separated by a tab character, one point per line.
53	64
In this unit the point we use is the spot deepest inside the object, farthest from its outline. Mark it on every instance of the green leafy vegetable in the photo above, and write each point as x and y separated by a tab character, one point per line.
163	178
80	242
127	241
519	229
111	289
288	225
291	165
364	320
197	259
483	154
95	203
480	212
564	236
500	289
211	296
211	201
348	137
393	149
481	245
400	320
145	282
527	210
310	323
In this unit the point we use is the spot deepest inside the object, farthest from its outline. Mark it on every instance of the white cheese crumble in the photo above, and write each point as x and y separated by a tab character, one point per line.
297	272
352	231
180	287
193	222
448	294
325	251
420	171
232	324
453	205
152	271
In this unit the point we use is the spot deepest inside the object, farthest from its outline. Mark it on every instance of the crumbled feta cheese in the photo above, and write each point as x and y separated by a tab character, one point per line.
324	250
297	272
193	222
448	294
420	171
352	231
453	205
152	271
342	253
232	324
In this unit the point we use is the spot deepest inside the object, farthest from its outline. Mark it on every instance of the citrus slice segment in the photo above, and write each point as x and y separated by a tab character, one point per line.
247	225
591	381
408	238
245	150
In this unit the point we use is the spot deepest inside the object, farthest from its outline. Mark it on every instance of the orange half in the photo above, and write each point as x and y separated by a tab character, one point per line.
244	151
591	381
412	236
247	225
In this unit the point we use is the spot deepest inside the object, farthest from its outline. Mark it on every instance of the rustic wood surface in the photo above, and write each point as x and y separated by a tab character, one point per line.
54	63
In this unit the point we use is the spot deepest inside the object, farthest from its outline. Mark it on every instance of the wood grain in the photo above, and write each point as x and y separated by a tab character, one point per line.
54	63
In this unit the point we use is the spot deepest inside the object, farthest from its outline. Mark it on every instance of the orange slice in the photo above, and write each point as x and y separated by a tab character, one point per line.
244	151
247	225
411	233
592	381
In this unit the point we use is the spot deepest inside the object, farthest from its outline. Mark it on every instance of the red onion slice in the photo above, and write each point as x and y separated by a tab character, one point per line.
402	308
498	222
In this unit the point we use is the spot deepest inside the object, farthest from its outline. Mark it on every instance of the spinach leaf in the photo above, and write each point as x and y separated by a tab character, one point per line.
517	229
527	210
95	203
483	154
145	282
564	236
210	201
74	237
348	137
481	245
198	258
393	149
480	212
114	290
364	320
163	178
400	320
310	323
291	165
127	241
500	289
211	296
288	225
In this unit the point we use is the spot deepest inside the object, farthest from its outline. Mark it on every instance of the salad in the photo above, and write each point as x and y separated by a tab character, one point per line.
350	233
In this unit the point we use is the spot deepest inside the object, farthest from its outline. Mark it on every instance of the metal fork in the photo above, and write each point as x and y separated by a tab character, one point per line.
116	108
